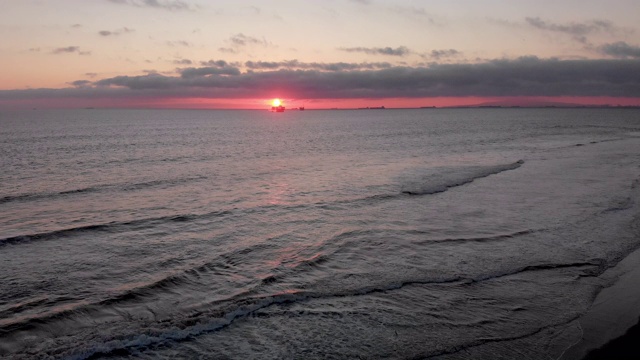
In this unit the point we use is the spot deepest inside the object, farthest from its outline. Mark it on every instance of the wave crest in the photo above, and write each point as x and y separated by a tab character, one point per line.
432	183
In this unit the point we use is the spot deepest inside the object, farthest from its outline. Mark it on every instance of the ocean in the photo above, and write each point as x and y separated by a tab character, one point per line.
343	234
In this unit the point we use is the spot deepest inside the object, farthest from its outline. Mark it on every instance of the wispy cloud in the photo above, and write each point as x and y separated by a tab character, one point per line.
295	64
577	31
69	50
239	41
80	83
182	43
443	54
243	40
416	14
620	50
124	30
228	50
183	62
399	51
192	72
215	63
171	5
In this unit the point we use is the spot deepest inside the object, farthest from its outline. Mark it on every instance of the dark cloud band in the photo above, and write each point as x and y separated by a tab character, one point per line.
527	76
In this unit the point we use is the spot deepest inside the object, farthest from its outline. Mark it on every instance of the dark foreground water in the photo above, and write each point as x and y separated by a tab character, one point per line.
470	233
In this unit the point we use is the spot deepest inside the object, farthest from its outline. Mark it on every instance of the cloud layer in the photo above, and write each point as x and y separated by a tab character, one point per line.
527	76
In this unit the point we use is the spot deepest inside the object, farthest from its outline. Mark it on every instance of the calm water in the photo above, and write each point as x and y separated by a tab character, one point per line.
470	233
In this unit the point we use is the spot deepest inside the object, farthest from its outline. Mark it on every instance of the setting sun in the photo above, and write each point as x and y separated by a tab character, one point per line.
276	102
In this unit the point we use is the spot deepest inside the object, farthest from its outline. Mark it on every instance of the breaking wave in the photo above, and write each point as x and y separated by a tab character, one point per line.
426	184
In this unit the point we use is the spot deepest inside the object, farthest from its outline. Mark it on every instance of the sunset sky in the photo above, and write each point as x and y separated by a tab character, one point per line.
330	53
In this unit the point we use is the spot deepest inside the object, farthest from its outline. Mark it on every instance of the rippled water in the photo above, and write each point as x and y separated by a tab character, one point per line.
468	233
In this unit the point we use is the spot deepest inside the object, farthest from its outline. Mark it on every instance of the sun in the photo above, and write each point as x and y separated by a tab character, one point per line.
276	102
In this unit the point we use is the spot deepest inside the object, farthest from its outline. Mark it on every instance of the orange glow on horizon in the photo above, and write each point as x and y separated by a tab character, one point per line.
276	102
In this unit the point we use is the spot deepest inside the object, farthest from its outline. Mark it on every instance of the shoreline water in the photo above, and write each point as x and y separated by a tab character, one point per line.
613	318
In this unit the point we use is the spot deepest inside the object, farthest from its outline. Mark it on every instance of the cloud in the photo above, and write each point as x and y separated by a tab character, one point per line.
228	50
243	40
178	43
70	49
239	41
80	83
578	31
171	5
149	81
527	76
620	50
443	54
399	51
124	30
214	63
190	73
295	64
416	14
183	62
524	76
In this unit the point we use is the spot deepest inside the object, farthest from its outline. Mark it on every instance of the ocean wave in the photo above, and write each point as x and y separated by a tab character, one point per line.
23	306
21	239
437	183
497	237
95	189
113	226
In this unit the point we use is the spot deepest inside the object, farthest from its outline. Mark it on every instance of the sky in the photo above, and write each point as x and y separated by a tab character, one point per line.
317	54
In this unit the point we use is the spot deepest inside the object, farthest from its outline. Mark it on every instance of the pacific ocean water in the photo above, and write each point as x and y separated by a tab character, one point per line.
425	233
